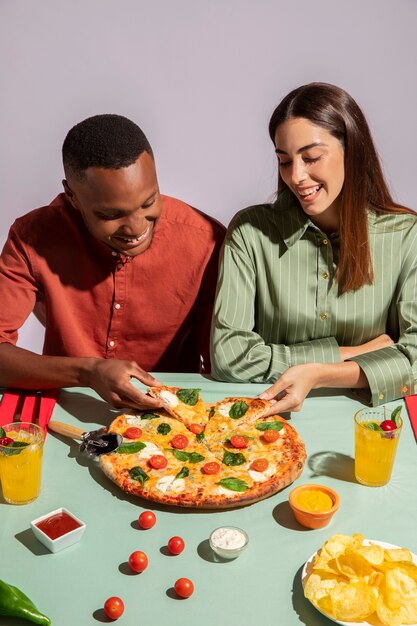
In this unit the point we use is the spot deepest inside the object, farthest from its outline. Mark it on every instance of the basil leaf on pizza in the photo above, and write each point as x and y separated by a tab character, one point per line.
233	458
188	396
130	448
234	484
270	426
163	429
200	437
183	473
238	409
191	457
138	474
149	416
179	454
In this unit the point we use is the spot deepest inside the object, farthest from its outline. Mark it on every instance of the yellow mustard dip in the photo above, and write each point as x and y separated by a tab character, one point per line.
313	500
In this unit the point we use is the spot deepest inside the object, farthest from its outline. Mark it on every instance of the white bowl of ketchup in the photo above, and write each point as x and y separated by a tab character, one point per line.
58	529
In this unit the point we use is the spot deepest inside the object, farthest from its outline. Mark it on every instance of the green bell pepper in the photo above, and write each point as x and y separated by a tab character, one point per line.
14	603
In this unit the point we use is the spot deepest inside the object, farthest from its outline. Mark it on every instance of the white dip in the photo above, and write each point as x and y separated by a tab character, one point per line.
228	538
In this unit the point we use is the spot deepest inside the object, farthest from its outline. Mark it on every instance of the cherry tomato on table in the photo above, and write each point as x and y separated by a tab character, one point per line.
184	587
176	545
238	441
179	441
158	461
138	561
211	468
114	607
146	520
133	433
270	436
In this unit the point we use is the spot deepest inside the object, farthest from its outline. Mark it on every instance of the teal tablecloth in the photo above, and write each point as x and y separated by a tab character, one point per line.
262	586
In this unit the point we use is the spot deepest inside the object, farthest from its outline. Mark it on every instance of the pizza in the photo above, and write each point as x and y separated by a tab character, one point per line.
184	404
236	460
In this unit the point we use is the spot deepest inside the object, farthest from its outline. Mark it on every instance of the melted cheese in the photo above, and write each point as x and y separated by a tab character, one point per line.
170	398
149	451
260	477
168	483
224	409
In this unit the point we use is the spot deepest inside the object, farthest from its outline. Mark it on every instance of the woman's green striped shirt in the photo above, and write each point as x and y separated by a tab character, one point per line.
277	302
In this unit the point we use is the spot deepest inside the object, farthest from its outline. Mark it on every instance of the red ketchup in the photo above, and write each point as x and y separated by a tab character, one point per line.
57	525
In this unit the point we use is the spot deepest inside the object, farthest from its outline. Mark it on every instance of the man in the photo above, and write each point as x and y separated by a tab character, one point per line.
123	277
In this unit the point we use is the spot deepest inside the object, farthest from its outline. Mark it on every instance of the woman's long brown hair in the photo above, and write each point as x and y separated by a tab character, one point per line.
364	186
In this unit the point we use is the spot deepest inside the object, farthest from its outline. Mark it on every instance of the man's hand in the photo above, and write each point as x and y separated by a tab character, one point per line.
383	341
291	389
110	378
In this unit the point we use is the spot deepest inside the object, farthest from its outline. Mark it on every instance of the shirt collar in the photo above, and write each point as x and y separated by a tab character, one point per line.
291	219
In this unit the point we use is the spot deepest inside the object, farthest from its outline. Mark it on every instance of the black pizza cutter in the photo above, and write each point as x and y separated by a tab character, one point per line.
93	443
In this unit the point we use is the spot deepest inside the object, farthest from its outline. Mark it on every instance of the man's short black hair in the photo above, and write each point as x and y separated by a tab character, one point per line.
108	140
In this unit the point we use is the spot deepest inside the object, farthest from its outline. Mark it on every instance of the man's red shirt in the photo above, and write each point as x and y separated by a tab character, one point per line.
154	308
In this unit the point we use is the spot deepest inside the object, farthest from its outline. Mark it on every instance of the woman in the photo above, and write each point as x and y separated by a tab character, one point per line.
319	289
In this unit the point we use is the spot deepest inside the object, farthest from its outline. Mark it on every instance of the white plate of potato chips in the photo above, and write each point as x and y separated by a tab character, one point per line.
356	581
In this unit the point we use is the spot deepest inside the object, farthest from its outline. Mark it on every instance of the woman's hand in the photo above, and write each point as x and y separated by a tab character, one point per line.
291	388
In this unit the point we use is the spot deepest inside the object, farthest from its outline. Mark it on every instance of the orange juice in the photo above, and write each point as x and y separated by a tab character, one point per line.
20	467
374	449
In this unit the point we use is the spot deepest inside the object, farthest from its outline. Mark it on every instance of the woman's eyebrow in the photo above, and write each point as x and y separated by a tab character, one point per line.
307	147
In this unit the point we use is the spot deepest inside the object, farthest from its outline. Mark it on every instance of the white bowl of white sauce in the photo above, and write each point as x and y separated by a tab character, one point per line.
228	541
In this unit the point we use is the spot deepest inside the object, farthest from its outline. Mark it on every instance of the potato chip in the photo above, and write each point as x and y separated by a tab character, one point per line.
337	544
353	565
397	554
405	614
353	601
373	554
319	585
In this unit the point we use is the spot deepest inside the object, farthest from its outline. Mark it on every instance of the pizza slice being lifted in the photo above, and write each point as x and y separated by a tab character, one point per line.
186	405
240	410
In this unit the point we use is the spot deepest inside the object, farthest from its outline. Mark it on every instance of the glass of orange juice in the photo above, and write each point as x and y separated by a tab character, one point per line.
21	447
376	441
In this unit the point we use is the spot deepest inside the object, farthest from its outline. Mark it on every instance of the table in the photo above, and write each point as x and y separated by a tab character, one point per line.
262	586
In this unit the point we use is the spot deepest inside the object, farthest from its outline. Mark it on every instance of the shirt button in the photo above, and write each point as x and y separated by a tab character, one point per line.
325	275
325	242
323	316
111	344
117	306
381	396
119	266
404	389
114	253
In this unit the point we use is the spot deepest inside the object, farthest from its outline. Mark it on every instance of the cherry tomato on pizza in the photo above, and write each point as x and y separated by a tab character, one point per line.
179	441
158	461
184	587
176	545
238	441
196	429
259	465
133	433
211	468
146	520
114	607
138	561
270	436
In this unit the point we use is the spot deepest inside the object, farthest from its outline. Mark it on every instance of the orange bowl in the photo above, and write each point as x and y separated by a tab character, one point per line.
307	517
